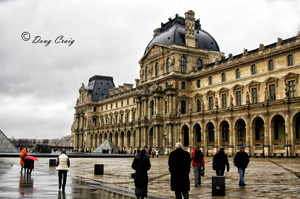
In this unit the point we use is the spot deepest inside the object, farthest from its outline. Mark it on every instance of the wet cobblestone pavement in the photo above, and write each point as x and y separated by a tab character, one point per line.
264	178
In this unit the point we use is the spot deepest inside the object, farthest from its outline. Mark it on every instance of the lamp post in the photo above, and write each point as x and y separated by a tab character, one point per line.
263	137
207	147
287	145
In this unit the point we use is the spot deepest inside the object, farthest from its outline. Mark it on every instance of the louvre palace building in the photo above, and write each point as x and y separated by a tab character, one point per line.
190	92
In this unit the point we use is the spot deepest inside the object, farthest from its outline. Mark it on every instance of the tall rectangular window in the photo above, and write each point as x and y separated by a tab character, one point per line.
183	106
133	115
211	103
183	85
198	83
198	105
254	95
253	68
237	73
271	65
224	101
290	60
210	80
238	98
127	101
223	77
272	92
292	88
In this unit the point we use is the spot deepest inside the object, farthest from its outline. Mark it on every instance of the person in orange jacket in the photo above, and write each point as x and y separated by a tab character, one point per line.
22	157
197	162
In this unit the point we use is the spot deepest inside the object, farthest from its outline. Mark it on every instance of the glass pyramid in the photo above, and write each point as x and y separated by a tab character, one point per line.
106	144
6	146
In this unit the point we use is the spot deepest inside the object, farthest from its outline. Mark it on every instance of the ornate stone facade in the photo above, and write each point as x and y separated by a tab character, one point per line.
201	98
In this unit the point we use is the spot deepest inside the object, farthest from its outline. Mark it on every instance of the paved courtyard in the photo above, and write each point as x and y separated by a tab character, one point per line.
264	178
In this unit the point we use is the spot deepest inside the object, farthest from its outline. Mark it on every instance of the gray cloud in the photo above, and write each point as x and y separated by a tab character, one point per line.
39	84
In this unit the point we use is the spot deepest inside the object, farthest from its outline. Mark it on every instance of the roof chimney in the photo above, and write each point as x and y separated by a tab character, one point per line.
190	39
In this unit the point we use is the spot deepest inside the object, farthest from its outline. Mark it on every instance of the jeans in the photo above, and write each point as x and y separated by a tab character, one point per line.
62	176
22	166
242	173
184	194
197	174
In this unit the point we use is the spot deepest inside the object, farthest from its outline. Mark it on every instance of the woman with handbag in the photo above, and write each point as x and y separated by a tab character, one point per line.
141	164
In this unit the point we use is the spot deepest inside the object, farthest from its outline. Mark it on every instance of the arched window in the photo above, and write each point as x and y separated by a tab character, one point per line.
237	73
146	73
199	64
253	69
223	77
168	65
183	64
198	83
271	65
156	69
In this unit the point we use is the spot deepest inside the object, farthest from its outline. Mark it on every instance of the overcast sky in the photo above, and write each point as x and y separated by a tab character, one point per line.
39	82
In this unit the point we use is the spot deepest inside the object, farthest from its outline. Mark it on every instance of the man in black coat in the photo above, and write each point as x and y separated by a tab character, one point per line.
179	167
219	162
241	161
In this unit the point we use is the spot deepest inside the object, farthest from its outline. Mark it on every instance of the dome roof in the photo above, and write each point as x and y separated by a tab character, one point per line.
173	32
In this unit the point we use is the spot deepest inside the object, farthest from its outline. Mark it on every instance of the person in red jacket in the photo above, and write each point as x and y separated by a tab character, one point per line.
198	164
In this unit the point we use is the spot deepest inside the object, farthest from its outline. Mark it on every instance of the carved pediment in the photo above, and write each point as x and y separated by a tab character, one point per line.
223	90
271	80
291	76
237	88
198	96
210	93
253	84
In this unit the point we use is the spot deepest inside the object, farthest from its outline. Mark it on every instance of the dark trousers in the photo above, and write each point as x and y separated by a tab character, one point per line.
62	176
179	194
219	172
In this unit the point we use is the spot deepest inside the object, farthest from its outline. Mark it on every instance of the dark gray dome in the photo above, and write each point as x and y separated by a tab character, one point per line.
173	32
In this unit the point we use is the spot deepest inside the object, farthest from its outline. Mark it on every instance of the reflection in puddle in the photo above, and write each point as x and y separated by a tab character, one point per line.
25	185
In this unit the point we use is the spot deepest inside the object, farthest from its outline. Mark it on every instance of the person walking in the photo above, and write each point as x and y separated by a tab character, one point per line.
22	159
141	164
241	161
156	153
179	167
197	162
63	165
219	162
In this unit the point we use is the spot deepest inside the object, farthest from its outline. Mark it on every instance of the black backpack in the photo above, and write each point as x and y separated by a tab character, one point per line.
198	156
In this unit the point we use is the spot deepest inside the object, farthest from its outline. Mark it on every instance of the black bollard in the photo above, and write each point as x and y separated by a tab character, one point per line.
218	185
99	169
52	162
